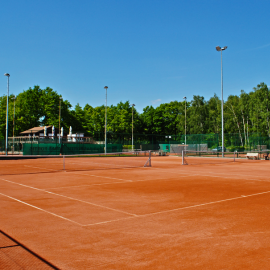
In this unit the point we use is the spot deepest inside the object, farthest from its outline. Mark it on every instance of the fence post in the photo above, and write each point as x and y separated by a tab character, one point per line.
31	136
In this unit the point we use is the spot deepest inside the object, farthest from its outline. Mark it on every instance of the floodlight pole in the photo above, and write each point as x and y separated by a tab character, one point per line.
132	126
59	119
14	98
218	48
6	74
185	120
268	110
105	132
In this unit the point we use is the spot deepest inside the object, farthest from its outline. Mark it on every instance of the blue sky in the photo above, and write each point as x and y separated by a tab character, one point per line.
148	52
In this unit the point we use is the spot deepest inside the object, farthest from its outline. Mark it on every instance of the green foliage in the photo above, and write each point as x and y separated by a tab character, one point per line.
243	114
127	147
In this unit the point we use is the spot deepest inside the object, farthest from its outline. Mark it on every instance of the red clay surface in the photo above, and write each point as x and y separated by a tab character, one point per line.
14	256
214	215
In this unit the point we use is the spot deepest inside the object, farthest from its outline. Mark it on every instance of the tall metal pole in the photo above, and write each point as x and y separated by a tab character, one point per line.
218	48
222	118
14	98
185	120
268	111
132	126
106	87
59	119
6	74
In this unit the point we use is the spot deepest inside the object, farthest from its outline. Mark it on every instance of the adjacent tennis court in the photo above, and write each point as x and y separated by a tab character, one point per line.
120	213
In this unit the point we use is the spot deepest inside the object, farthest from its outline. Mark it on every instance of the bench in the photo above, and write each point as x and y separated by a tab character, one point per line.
252	155
266	156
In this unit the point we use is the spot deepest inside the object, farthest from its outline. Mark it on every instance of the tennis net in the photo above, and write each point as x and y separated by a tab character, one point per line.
87	162
207	157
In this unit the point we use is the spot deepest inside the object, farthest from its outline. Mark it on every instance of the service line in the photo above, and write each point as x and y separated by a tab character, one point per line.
67	197
40	209
181	208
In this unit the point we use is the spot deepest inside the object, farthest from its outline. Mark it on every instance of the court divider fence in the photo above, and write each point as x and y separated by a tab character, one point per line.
34	145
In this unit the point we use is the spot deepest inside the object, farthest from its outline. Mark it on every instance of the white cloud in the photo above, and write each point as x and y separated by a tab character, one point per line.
156	101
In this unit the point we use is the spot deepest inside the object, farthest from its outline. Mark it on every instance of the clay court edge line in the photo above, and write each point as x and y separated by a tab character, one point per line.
177	209
203	204
219	175
98	176
109	221
64	170
43	168
40	209
187	174
111	183
73	172
91	185
100	206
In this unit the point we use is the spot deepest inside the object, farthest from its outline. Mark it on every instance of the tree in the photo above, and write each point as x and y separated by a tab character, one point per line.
214	115
243	114
198	116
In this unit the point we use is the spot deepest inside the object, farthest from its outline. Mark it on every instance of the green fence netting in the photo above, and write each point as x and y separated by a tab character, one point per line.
123	142
67	148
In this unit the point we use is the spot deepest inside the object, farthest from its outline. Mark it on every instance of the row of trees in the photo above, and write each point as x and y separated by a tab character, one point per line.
245	113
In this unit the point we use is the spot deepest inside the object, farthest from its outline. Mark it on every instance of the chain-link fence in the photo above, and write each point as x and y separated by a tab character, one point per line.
77	144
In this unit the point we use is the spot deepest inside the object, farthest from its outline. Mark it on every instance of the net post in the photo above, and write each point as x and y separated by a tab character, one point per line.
148	162
183	157
234	156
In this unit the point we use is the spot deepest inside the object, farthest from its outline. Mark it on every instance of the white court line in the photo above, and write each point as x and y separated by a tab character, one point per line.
43	168
108	221
132	215
177	173
111	164
203	204
111	183
169	170
181	208
79	173
43	190
40	209
188	174
104	168
91	185
97	176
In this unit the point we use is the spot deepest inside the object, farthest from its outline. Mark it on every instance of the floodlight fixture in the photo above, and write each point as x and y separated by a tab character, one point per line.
218	48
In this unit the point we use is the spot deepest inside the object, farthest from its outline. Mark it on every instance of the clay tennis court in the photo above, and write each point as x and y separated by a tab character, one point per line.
211	214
